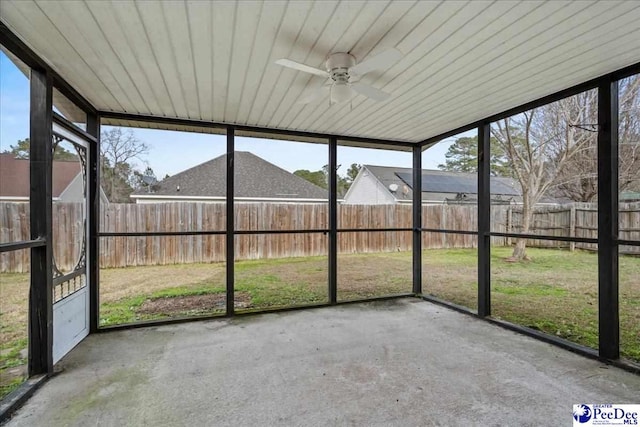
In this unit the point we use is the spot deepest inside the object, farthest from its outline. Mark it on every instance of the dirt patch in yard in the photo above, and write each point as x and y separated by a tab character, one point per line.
118	283
191	303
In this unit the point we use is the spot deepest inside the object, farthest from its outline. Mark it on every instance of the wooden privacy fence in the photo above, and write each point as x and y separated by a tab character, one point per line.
68	227
578	220
570	220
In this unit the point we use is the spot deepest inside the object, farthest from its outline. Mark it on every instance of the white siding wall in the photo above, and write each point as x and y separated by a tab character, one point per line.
75	189
367	190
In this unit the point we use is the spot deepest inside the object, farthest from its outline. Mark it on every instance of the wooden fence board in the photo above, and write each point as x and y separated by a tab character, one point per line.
578	220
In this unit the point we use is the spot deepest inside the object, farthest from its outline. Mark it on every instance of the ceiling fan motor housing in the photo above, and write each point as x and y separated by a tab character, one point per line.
338	65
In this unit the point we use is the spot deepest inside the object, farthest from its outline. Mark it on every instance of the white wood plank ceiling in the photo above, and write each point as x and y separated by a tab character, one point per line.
214	61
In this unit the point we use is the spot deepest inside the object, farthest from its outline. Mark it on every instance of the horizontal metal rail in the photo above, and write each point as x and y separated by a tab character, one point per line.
316	231
23	244
340	230
628	242
161	233
372	230
71	127
245	232
69	276
544	237
446	231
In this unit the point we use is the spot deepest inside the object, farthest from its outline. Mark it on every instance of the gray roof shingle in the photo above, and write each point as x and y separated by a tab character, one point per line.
254	177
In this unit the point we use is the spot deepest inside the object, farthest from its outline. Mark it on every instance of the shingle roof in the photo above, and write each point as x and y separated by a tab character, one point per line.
254	177
14	175
437	181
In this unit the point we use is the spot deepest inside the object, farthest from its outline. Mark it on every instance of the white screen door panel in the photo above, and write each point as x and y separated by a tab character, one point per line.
70	210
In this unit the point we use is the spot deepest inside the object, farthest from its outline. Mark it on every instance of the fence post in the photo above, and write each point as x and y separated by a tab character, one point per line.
572	226
509	224
443	219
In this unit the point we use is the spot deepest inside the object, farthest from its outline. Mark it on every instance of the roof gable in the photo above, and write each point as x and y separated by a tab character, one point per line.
254	178
15	178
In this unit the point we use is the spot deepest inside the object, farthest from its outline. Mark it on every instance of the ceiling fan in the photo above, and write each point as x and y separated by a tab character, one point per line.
343	75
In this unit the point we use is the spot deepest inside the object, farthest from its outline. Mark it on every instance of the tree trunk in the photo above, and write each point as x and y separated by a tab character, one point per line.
519	251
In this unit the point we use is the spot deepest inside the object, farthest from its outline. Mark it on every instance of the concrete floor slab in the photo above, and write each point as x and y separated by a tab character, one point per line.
403	362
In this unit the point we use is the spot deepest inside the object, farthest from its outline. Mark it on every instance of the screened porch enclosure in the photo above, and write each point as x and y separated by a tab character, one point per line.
269	220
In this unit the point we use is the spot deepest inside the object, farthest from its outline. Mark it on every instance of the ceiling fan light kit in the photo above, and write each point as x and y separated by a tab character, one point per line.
341	71
341	92
338	65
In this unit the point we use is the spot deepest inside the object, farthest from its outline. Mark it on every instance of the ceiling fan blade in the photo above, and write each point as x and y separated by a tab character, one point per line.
370	92
302	67
381	60
313	95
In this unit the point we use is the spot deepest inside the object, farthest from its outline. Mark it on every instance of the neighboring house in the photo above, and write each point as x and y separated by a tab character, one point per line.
390	185
256	180
67	185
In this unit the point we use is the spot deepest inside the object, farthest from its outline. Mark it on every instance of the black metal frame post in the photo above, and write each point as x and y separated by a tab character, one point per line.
608	315
484	220
230	243
40	205
417	220
333	220
93	217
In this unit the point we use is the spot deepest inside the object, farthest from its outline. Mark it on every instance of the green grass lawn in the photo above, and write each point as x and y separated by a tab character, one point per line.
555	292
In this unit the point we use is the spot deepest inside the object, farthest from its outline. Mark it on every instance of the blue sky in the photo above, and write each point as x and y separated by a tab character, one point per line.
171	152
14	104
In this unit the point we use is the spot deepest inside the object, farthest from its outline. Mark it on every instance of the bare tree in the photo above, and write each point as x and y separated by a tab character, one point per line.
118	149
578	180
629	133
539	144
